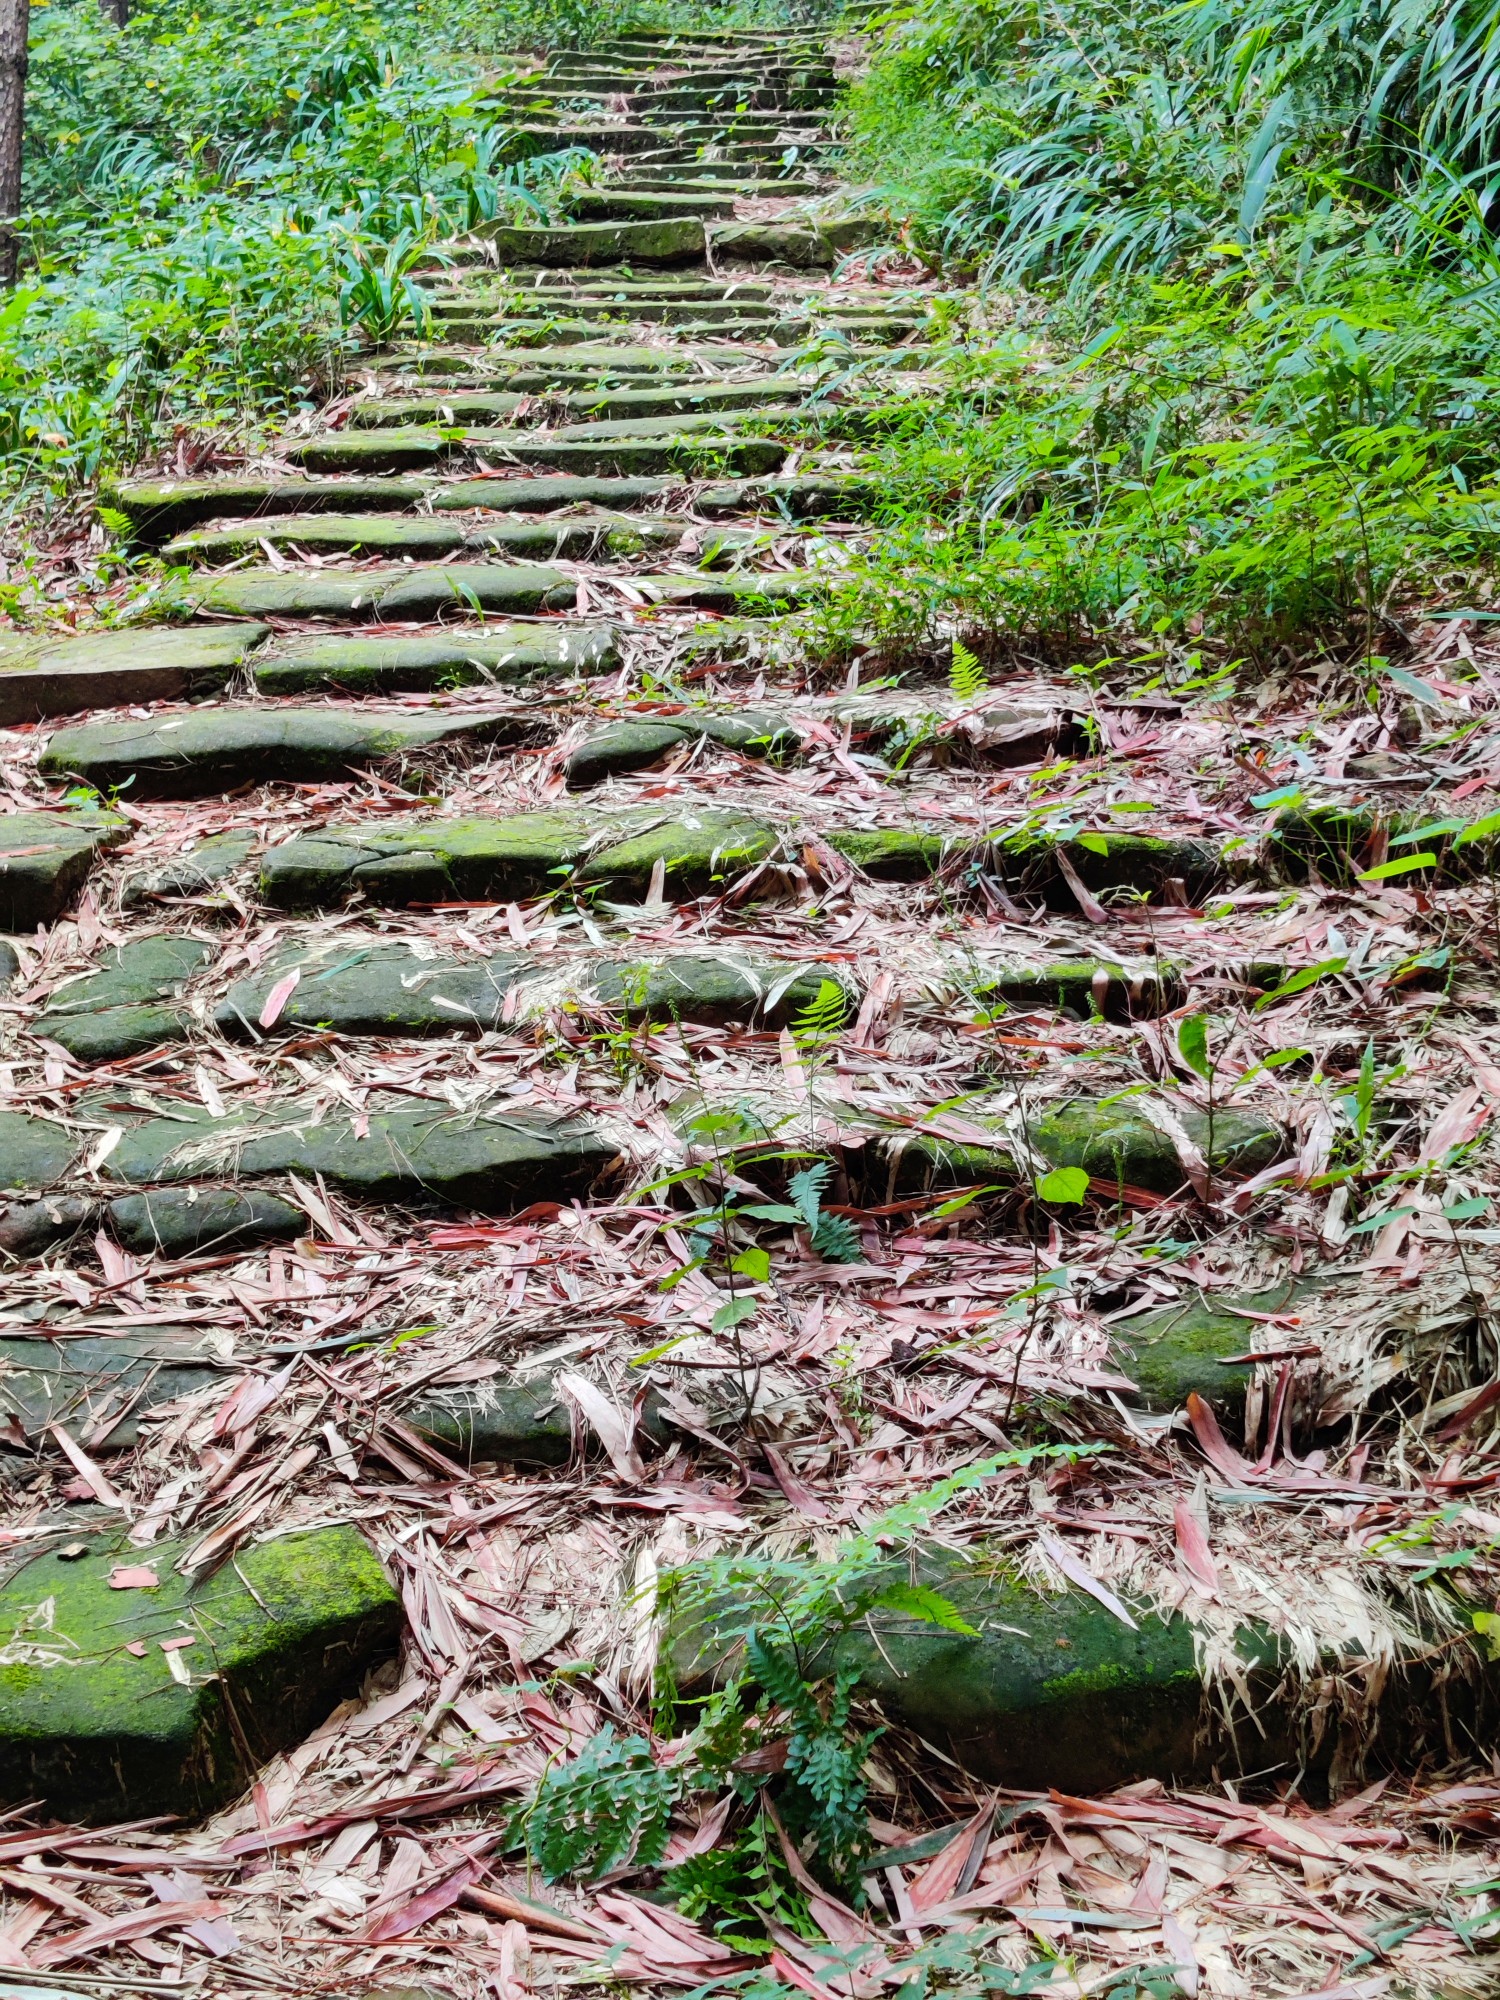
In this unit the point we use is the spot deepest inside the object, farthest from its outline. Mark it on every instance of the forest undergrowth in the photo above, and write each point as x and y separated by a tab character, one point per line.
1237	266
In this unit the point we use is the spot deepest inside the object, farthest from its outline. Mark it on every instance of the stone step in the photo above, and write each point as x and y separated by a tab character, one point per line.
44	677
378	664
509	859
527	141
578	538
360	987
45	858
158	508
532	371
279	1635
684	401
640	205
395	591
211	748
615	450
607	308
664	240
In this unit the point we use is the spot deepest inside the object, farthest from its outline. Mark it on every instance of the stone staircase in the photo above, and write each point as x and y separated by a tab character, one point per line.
474	723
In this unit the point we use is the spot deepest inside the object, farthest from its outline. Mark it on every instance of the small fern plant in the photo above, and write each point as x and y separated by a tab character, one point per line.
610	1805
966	677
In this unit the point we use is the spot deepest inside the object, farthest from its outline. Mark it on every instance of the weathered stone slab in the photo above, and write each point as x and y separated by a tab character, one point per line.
96	1733
506	1419
1116	1144
34	1152
396	592
1106	863
502	654
378	989
97	1388
636	744
184	1222
674	240
45	859
576	538
892	854
487	1160
207	750
1182	1349
614	405
715	990
371	451
119	1010
107	668
544	493
483	859
28	1228
157	508
416	536
641	205
1084	987
200	871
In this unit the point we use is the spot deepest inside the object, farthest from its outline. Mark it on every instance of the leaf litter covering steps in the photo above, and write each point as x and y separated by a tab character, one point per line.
911	967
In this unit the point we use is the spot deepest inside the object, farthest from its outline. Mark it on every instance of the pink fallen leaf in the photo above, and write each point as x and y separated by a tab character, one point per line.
133	1576
1192	1546
276	999
1077	1572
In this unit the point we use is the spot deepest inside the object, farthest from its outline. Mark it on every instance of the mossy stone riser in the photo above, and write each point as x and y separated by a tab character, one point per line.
201	751
45	860
95	1733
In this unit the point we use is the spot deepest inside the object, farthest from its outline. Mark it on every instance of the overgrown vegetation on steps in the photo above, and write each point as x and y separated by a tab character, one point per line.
1239	272
221	202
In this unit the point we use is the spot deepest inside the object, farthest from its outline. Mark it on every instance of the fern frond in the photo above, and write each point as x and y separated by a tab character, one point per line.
966	677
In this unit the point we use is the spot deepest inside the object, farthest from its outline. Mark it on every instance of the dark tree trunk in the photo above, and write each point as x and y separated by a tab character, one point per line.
117	11
15	18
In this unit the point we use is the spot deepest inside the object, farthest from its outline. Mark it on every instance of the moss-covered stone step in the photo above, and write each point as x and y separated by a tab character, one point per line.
535	370
45	858
742	187
635	745
99	1388
802	247
540	330
601	310
125	1005
1191	1347
209	749
602	404
392	592
662	240
159	508
1115	1141
1055	1690
577	538
502	654
1339	843
200	871
356	987
42	677
197	1221
1084	987
34	1152
525	142
96	1731
617	450
635	205
492	1160
1109	864
488	859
